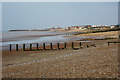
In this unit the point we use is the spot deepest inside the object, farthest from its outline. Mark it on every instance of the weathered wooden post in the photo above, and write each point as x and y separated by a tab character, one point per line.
87	46
65	45
10	47
114	42
16	47
108	43
72	45
44	46
58	46
37	46
80	45
51	46
24	47
30	46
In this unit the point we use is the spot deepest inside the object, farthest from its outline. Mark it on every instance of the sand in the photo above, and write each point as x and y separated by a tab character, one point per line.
93	62
101	34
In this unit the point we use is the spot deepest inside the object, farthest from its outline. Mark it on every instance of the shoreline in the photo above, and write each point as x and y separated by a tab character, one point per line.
13	53
61	44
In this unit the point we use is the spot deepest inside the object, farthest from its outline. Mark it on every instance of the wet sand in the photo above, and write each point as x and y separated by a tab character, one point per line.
27	37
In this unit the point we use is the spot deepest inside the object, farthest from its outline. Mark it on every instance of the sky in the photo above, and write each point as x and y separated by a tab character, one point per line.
119	13
40	15
60	0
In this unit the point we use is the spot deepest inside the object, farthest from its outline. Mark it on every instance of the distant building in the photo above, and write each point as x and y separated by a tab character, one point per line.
87	26
81	27
112	26
75	27
59	28
53	27
68	28
94	25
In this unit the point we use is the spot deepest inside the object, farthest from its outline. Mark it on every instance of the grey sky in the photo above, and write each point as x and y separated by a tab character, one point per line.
119	13
60	0
29	15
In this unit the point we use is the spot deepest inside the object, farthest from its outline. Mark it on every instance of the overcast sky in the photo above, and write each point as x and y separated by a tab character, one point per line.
39	15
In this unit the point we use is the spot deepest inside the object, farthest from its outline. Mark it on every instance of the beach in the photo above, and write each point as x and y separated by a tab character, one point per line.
93	62
60	40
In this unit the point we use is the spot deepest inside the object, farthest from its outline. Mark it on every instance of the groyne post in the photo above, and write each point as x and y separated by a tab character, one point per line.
58	46
51	46
24	47
72	45
10	47
37	46
44	46
65	45
80	45
87	46
16	47
30	46
114	42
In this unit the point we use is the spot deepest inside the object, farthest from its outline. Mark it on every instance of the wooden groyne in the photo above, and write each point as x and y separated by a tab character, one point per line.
31	48
112	42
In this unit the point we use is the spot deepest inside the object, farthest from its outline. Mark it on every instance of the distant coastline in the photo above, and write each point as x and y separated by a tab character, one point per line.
74	28
18	30
28	30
